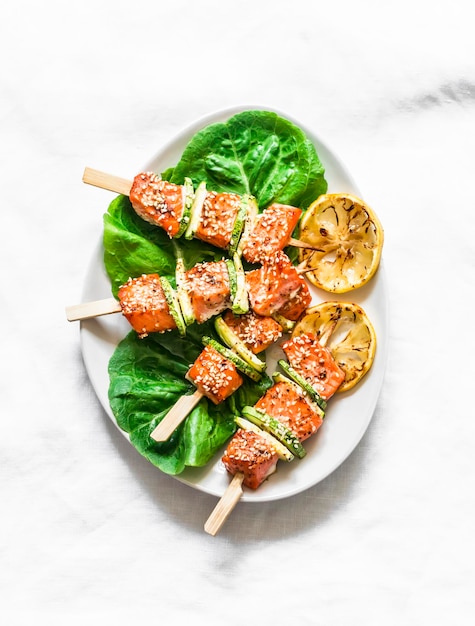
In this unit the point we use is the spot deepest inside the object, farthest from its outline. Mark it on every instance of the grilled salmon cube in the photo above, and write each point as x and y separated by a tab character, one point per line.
255	331
289	405
276	287
214	375
157	201
315	363
208	287
144	305
251	454
272	232
218	216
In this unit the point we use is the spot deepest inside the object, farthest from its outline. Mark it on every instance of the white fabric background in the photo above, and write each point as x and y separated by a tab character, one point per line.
88	529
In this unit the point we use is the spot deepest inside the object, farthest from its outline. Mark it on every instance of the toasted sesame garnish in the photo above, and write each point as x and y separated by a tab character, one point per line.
214	375
255	331
271	232
142	294
157	201
218	215
276	287
251	454
208	287
144	304
314	363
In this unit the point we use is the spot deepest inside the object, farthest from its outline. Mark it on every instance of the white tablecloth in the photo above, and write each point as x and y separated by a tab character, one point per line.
89	530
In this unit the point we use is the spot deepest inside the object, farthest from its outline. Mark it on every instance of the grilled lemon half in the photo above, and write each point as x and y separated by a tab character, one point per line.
348	238
345	329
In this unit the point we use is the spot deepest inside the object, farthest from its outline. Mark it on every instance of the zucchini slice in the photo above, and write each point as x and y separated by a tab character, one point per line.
277	429
238	225
173	304
306	386
196	210
188	203
278	377
240	302
287	325
182	293
231	339
232	278
240	363
249	224
282	451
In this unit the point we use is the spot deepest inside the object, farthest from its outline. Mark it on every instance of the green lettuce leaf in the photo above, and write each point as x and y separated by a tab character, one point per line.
256	152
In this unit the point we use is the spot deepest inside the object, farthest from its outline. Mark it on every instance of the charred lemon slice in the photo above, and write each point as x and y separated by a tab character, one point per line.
345	329
348	238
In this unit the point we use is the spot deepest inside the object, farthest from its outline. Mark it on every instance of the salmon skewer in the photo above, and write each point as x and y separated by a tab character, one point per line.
143	302
216	371
150	304
214	376
251	457
297	402
221	218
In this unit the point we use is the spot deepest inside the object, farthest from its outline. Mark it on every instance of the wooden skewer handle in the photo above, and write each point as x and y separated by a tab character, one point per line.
106	181
225	505
175	416
87	310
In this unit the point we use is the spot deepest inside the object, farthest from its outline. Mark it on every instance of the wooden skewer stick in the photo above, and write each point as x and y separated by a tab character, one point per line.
175	416
304	270
303	267
96	308
123	186
106	181
225	505
297	243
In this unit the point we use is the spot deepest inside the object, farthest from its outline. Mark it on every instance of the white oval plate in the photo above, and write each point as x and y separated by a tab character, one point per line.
348	414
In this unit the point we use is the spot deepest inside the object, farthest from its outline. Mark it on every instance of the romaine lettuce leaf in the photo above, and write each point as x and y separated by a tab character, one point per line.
256	152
